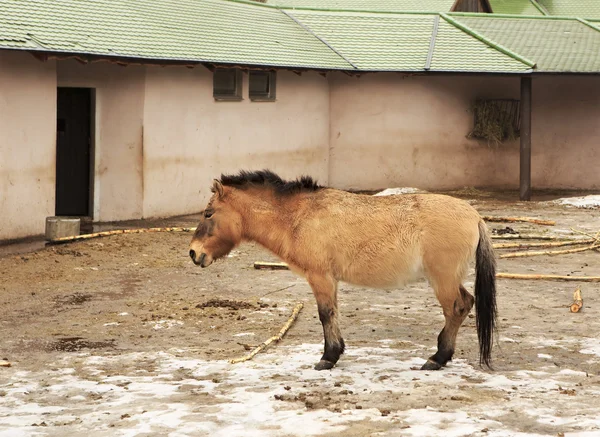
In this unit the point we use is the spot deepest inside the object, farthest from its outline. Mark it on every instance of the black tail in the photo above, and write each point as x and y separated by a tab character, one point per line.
485	295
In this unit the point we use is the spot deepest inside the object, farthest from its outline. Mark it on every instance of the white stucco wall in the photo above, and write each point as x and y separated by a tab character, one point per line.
160	138
395	130
190	139
119	103
566	132
27	144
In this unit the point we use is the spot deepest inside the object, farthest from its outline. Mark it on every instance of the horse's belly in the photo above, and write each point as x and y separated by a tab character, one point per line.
386	276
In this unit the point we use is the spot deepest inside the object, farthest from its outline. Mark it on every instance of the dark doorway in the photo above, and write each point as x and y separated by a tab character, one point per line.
73	152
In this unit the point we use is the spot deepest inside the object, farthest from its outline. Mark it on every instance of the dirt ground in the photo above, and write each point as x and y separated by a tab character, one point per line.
124	336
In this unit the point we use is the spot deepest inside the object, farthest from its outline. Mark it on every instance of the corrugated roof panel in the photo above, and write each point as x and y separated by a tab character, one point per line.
573	8
223	31
373	42
515	7
565	45
457	51
203	30
369	5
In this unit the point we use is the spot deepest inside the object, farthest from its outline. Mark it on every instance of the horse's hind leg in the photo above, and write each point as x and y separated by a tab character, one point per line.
325	292
456	306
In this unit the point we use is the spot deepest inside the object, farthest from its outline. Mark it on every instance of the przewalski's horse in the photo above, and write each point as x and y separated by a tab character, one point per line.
328	235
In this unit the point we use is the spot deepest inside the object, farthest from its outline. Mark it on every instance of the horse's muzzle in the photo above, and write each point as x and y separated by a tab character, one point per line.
199	262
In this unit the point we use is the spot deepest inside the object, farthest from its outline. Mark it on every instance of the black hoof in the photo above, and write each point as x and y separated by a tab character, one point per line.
431	365
324	365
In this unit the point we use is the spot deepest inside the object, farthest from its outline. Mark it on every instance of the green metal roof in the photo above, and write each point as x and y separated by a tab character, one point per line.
573	8
392	42
565	8
368	5
373	41
198	30
556	45
453	46
516	7
249	33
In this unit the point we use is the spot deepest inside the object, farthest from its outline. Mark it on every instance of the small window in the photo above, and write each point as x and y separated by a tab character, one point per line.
227	84
496	121
262	86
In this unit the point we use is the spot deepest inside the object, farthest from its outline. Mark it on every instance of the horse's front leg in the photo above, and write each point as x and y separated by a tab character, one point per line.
324	288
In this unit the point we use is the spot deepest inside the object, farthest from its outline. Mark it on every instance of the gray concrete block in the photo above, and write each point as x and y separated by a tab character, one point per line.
58	227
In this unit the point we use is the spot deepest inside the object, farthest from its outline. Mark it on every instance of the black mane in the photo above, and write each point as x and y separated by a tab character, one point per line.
267	178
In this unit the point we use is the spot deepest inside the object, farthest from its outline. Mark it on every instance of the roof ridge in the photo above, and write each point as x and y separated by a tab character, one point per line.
306	28
589	24
488	41
263	4
539	7
434	32
545	14
317	9
349	11
512	16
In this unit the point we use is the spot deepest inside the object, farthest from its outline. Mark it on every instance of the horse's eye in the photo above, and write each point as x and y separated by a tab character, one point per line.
208	214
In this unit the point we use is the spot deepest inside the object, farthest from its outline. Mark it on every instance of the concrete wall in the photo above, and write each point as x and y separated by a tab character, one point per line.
189	138
394	130
27	144
118	124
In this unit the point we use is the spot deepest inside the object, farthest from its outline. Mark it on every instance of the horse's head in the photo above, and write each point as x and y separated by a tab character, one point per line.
219	230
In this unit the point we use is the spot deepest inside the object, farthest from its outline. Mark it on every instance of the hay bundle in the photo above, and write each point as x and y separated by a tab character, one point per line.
496	121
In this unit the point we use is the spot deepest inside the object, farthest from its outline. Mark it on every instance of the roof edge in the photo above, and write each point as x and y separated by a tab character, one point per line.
545	14
83	57
489	42
89	56
513	16
316	9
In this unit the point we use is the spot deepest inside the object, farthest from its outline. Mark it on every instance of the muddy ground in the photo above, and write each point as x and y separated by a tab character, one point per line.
125	336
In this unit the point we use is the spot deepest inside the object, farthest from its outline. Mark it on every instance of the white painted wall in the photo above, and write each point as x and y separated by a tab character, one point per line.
394	130
566	132
27	144
119	103
190	139
160	137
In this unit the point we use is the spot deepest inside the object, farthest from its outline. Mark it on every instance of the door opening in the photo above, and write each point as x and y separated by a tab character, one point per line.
74	152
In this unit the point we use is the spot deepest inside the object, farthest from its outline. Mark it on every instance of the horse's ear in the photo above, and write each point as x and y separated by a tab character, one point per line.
217	187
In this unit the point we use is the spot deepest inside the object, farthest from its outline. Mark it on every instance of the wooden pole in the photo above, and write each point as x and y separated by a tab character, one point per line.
525	159
548	277
273	339
491	218
62	240
547	252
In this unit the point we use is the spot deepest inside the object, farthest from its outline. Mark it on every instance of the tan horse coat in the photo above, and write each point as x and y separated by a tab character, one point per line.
327	235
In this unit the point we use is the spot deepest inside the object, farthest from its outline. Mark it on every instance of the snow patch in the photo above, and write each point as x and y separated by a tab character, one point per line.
591	346
587	202
244	334
165	324
180	395
402	190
